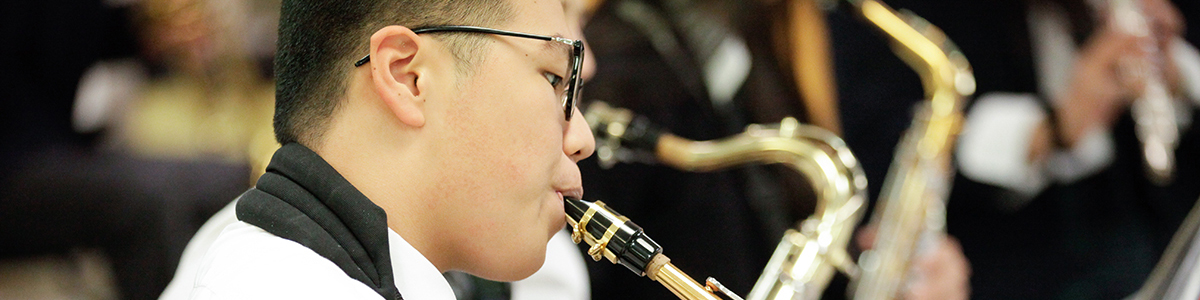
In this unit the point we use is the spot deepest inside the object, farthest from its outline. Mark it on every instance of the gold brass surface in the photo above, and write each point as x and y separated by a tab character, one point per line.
577	230
801	263
680	284
911	211
910	215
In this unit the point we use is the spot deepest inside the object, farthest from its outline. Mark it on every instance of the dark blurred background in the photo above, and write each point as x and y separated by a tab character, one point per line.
123	126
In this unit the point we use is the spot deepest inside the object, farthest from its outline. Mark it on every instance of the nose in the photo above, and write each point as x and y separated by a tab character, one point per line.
578	142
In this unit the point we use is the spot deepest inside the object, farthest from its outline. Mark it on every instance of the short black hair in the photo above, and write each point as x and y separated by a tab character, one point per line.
319	40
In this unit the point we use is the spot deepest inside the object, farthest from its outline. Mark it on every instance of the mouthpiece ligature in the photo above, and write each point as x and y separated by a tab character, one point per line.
622	242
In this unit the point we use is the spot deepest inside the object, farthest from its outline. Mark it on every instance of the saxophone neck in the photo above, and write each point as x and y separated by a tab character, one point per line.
942	67
621	134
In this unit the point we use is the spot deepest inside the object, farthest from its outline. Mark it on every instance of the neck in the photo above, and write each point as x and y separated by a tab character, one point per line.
376	154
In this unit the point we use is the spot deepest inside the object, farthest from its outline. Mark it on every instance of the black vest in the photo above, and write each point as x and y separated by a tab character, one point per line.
303	199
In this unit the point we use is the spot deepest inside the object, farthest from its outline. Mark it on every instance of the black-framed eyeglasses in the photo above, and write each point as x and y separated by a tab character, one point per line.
572	82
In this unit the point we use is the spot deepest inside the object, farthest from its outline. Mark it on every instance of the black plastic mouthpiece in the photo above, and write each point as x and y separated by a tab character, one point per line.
619	240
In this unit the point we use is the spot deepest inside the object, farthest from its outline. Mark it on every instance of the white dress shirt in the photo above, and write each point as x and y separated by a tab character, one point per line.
562	277
246	262
181	285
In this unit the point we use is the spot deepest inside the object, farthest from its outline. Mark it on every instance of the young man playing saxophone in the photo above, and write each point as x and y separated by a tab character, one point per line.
445	148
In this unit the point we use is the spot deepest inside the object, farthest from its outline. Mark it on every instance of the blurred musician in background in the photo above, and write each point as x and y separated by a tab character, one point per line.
63	189
1054	200
704	70
210	96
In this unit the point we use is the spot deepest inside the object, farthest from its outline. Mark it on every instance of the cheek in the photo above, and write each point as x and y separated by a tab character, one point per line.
505	148
502	154
504	151
505	128
511	134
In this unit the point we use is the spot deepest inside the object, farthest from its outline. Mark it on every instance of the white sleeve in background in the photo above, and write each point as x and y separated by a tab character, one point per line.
995	141
995	144
103	92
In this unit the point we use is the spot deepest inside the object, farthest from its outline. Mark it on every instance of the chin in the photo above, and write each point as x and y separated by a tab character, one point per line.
517	268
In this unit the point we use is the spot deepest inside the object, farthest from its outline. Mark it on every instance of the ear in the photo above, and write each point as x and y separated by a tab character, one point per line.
395	71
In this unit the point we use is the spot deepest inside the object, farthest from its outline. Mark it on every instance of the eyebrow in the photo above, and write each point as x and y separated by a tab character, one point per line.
556	48
554	45
556	35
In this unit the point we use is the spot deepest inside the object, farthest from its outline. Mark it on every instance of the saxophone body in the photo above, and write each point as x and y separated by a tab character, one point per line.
910	215
806	258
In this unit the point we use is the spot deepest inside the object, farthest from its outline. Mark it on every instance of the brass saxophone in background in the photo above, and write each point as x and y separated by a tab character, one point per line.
1154	110
912	206
805	259
910	215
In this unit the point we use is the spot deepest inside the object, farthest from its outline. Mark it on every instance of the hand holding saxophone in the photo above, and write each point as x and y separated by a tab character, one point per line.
939	273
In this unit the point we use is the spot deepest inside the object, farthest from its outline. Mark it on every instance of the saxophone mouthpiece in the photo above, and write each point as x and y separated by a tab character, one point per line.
614	237
610	234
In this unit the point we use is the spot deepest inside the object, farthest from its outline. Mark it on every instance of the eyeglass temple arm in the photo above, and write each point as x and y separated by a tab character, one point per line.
477	29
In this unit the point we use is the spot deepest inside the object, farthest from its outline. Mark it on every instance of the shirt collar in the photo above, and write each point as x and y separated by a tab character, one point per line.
416	277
